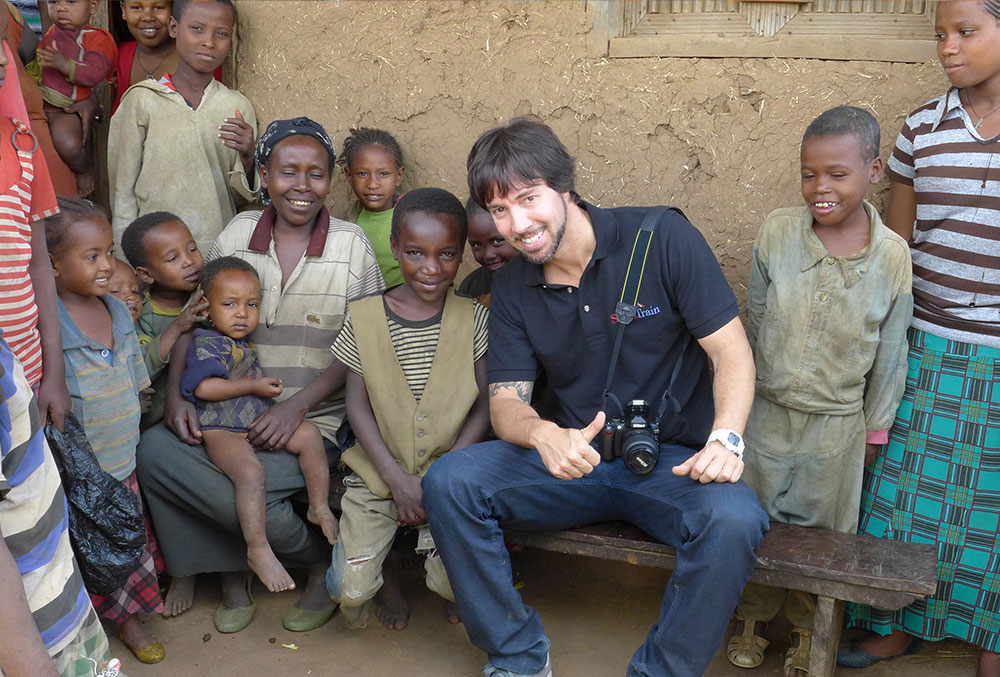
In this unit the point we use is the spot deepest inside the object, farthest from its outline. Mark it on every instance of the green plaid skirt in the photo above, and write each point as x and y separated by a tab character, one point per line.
938	481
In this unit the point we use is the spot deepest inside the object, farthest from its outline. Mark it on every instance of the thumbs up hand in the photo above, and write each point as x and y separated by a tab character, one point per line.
566	452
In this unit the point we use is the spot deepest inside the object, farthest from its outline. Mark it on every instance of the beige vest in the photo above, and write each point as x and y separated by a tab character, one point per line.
416	433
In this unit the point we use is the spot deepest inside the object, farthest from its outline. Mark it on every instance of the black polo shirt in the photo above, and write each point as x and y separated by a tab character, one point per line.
570	331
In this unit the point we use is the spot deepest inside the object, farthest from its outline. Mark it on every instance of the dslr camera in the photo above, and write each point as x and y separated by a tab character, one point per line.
634	438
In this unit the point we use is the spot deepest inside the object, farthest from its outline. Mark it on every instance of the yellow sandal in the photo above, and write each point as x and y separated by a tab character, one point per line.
746	649
797	656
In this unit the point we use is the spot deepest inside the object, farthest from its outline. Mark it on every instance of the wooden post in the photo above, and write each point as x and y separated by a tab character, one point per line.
99	134
828	621
608	22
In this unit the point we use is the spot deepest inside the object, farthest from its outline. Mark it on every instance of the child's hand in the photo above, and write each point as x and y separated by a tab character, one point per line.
871	453
236	133
145	399
50	57
268	386
195	311
408	497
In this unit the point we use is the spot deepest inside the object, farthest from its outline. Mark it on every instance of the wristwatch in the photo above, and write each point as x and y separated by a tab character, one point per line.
730	439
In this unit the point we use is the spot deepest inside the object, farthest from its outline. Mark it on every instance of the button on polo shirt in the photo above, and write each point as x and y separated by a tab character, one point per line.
569	331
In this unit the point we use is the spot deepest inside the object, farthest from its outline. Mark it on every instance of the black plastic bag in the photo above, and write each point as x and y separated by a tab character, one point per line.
106	526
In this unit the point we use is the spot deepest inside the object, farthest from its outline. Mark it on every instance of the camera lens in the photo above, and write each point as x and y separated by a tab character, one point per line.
640	451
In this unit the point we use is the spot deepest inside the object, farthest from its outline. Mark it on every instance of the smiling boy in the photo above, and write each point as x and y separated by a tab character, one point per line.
828	309
184	143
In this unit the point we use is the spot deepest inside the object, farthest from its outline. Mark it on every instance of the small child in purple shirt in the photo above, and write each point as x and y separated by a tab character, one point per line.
225	382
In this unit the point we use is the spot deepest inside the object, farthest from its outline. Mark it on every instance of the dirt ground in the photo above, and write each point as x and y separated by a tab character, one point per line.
717	137
595	612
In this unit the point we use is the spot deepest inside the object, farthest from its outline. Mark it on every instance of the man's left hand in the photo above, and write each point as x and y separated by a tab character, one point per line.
714	463
273	428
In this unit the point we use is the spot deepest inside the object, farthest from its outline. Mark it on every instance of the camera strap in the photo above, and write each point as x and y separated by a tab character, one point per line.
626	309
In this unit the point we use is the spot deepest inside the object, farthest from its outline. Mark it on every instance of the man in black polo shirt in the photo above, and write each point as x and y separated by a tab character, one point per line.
555	306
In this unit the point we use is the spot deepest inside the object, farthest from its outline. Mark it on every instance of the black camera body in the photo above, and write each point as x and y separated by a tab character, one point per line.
634	438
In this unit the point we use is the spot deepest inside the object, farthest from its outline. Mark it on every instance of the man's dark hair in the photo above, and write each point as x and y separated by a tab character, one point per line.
178	7
72	210
848	120
216	266
429	201
134	236
522	151
362	137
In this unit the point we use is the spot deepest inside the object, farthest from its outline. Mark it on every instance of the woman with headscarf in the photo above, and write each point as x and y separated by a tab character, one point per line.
310	266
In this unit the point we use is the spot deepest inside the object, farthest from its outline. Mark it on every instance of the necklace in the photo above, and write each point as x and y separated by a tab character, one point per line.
968	100
149	73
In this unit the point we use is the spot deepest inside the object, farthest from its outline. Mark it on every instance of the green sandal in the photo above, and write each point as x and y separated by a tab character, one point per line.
746	649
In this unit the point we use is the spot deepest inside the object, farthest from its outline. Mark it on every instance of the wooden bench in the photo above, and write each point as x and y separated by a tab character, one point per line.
835	567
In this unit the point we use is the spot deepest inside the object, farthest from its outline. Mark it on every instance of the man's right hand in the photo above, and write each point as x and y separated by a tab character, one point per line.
566	452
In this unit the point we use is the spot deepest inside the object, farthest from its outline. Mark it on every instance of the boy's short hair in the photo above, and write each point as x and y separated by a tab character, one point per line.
361	137
429	201
178	7
216	266
71	210
134	236
848	120
473	208
522	151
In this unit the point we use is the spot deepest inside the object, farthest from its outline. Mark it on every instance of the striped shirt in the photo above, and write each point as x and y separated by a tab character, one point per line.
415	344
299	322
25	197
33	514
104	385
956	238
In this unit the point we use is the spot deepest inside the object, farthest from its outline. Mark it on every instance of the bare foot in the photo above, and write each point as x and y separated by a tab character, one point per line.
892	644
268	569
391	608
180	596
134	635
451	613
322	517
989	664
86	183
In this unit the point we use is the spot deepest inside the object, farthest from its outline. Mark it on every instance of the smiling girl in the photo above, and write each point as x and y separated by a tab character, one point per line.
937	479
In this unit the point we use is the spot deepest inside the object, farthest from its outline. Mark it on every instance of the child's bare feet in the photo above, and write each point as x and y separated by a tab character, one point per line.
180	596
451	613
268	569
86	183
322	517
391	608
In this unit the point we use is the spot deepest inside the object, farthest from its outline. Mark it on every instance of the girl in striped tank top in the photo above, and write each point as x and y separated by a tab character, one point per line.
938	478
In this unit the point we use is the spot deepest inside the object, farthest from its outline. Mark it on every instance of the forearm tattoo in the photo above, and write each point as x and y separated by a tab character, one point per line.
522	389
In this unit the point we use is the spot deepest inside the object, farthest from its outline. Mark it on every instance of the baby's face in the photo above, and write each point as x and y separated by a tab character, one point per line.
71	15
234	303
125	285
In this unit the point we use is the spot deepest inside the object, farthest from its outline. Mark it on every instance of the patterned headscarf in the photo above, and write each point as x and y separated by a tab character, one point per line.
278	131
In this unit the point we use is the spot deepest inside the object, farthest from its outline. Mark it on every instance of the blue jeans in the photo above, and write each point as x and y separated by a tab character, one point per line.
471	494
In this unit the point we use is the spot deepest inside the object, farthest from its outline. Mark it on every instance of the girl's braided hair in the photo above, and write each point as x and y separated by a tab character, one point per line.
992	8
367	136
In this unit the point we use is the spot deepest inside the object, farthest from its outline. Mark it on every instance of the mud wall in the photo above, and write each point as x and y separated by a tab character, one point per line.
717	137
